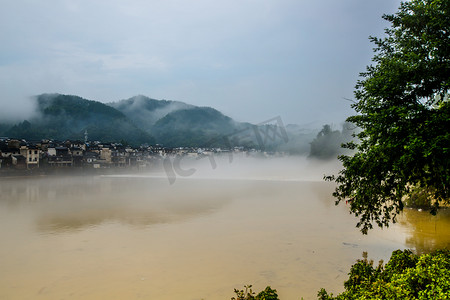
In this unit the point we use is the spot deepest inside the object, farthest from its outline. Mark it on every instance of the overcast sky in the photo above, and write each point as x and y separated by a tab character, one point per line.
251	59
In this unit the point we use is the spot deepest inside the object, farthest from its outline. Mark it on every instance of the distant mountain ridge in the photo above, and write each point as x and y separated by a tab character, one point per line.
176	124
145	111
142	120
138	120
197	126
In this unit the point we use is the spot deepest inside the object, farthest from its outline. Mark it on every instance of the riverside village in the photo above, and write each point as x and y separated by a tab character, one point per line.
20	156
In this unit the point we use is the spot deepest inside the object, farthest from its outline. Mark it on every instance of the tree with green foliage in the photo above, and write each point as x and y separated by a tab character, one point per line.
327	144
405	276
403	112
249	294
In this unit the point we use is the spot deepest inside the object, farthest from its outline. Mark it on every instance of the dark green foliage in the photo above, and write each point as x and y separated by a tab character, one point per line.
68	117
404	116
24	130
205	118
177	124
400	260
405	276
420	197
199	126
75	107
327	144
362	274
267	294
248	294
3	128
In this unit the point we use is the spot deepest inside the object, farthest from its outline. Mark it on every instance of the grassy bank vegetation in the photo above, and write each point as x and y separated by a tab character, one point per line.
405	276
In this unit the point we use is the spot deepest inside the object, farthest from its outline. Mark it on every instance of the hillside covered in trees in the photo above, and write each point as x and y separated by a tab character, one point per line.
63	117
142	120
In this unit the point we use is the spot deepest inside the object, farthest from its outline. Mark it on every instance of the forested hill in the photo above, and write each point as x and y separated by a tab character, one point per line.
145	111
142	120
198	126
63	117
136	121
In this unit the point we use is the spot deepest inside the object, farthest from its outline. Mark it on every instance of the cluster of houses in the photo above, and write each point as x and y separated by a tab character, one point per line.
21	154
45	154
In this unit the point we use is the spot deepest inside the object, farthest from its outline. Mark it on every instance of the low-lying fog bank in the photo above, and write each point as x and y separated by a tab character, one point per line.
241	167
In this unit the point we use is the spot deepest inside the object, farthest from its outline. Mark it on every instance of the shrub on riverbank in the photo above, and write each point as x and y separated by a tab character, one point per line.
249	294
405	276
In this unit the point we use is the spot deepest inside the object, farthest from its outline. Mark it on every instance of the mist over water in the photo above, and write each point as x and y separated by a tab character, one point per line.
139	236
244	167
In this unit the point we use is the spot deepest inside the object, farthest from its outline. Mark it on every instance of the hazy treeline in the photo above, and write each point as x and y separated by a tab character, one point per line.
327	144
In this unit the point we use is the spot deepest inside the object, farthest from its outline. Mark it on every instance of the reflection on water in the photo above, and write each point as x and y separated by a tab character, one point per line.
73	203
426	232
141	238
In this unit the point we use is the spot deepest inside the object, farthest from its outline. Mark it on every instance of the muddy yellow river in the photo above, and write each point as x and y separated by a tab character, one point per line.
139	237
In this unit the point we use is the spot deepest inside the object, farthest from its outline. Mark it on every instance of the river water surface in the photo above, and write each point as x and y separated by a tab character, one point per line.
139	237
